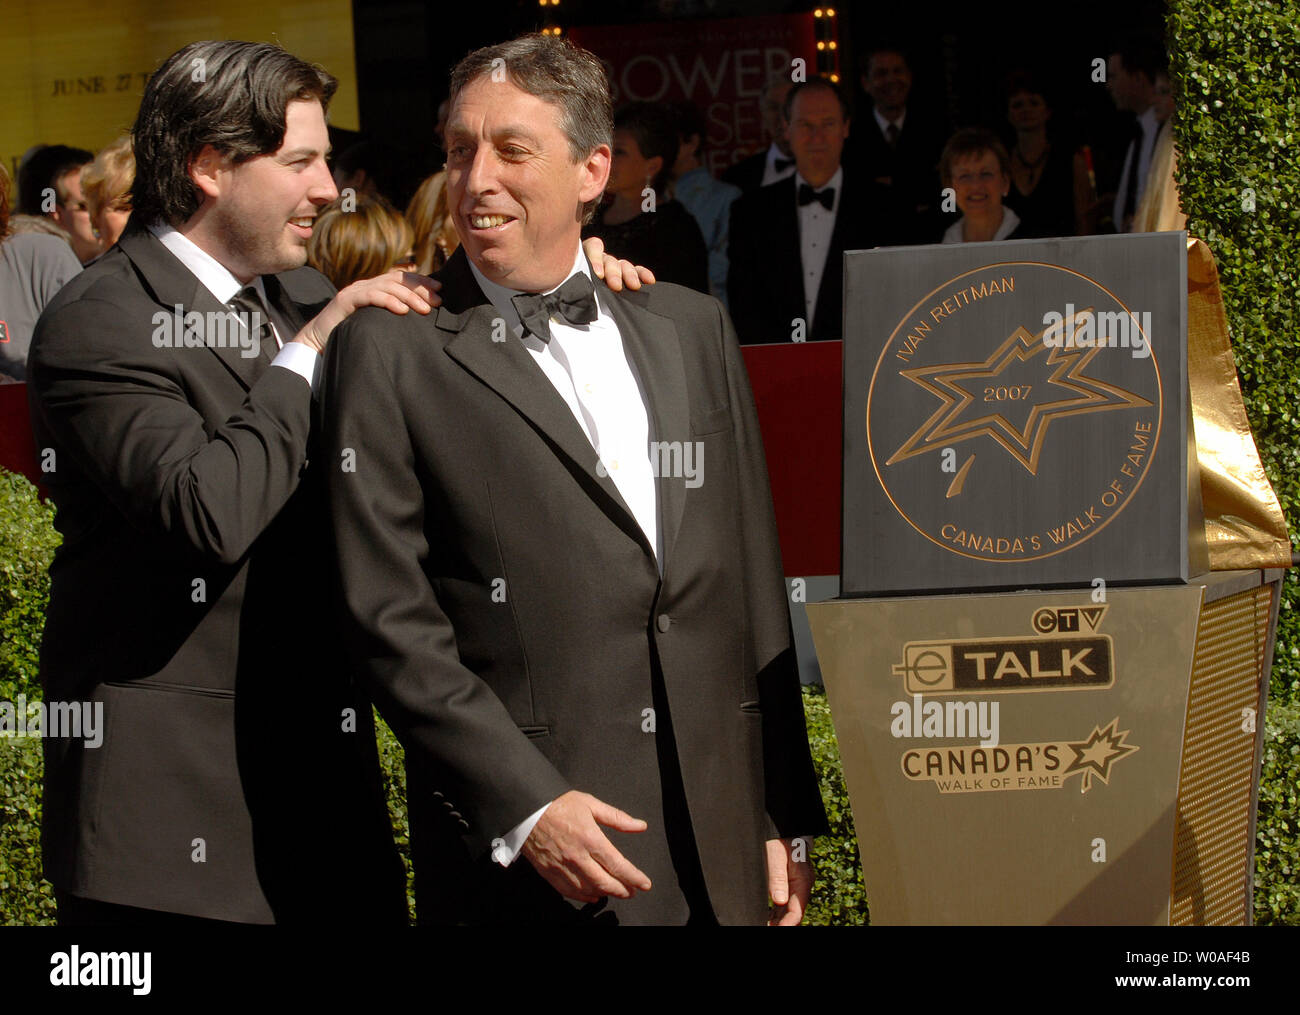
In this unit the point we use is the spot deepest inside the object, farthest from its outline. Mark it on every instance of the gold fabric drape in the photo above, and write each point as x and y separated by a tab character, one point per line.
1244	526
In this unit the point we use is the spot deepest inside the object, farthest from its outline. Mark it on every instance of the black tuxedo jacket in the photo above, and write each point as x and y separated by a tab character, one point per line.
912	167
765	273
747	174
509	614
190	598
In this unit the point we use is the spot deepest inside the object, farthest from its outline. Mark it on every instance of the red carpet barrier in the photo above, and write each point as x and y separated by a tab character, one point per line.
798	391
16	451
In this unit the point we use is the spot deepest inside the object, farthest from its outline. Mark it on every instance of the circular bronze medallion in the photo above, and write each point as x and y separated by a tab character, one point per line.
1015	411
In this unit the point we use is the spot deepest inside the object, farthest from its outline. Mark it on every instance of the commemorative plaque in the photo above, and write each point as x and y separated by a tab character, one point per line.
1016	415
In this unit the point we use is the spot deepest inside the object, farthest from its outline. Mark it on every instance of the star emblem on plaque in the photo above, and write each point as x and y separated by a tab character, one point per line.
1015	411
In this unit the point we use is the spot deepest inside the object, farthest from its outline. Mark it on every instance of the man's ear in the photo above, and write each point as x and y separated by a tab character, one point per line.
206	170
847	120
595	173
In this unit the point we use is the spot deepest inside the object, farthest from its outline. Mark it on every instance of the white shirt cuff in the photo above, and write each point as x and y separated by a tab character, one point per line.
506	850
302	359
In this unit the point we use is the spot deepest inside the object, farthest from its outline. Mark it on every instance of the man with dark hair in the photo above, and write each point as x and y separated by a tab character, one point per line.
785	278
49	183
235	778
896	146
561	574
1131	80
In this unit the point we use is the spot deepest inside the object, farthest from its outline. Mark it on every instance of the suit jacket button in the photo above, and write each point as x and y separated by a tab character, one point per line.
663	623
464	824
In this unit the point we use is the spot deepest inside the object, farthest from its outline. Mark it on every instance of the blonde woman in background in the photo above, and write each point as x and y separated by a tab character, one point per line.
106	186
429	217
358	237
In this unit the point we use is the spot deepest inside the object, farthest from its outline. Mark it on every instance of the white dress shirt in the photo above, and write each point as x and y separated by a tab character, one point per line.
770	173
217	279
589	368
1150	128
953	234
816	225
883	122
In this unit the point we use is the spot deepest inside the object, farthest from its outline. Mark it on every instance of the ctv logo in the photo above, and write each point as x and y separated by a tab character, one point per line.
997	665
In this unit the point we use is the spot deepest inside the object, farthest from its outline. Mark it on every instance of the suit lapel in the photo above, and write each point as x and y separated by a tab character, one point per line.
172	284
507	369
653	346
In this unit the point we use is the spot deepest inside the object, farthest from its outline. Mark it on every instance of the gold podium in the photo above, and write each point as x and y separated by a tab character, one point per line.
1046	758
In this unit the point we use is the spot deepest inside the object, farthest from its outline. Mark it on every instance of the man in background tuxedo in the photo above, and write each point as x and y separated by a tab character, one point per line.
776	161
896	146
785	280
1131	80
569	622
171	389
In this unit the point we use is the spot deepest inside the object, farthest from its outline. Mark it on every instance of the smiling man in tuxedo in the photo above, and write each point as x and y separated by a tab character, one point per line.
558	553
237	780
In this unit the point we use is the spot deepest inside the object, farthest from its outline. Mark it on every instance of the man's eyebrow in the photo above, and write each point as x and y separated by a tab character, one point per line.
514	130
298	153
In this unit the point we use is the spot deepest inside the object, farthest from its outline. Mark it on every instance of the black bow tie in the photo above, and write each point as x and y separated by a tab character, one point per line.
782	164
575	301
807	196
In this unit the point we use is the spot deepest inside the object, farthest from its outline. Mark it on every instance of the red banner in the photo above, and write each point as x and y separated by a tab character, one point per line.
721	66
16	451
798	393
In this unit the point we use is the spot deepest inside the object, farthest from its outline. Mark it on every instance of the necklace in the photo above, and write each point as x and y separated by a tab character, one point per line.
1037	162
1031	170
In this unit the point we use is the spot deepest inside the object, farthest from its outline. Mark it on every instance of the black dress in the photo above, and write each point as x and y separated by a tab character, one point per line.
1047	210
667	241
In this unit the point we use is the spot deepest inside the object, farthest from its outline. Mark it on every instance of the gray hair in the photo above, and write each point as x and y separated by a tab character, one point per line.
559	72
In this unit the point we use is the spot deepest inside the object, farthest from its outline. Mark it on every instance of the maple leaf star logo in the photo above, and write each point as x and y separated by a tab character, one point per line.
1061	389
1095	755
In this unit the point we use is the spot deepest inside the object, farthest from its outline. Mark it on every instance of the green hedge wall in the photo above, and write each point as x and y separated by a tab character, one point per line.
1235	67
27	542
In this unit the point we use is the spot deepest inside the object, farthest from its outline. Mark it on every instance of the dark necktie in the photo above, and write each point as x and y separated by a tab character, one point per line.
252	313
826	196
575	301
782	164
891	135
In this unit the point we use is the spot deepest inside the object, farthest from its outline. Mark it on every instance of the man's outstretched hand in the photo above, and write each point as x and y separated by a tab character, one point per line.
571	852
789	881
396	290
615	273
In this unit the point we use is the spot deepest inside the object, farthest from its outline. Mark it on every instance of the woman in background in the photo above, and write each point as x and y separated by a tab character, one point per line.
430	220
1050	188
639	220
358	237
976	166
106	186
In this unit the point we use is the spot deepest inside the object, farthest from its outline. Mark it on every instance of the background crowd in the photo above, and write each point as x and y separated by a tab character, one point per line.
767	238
